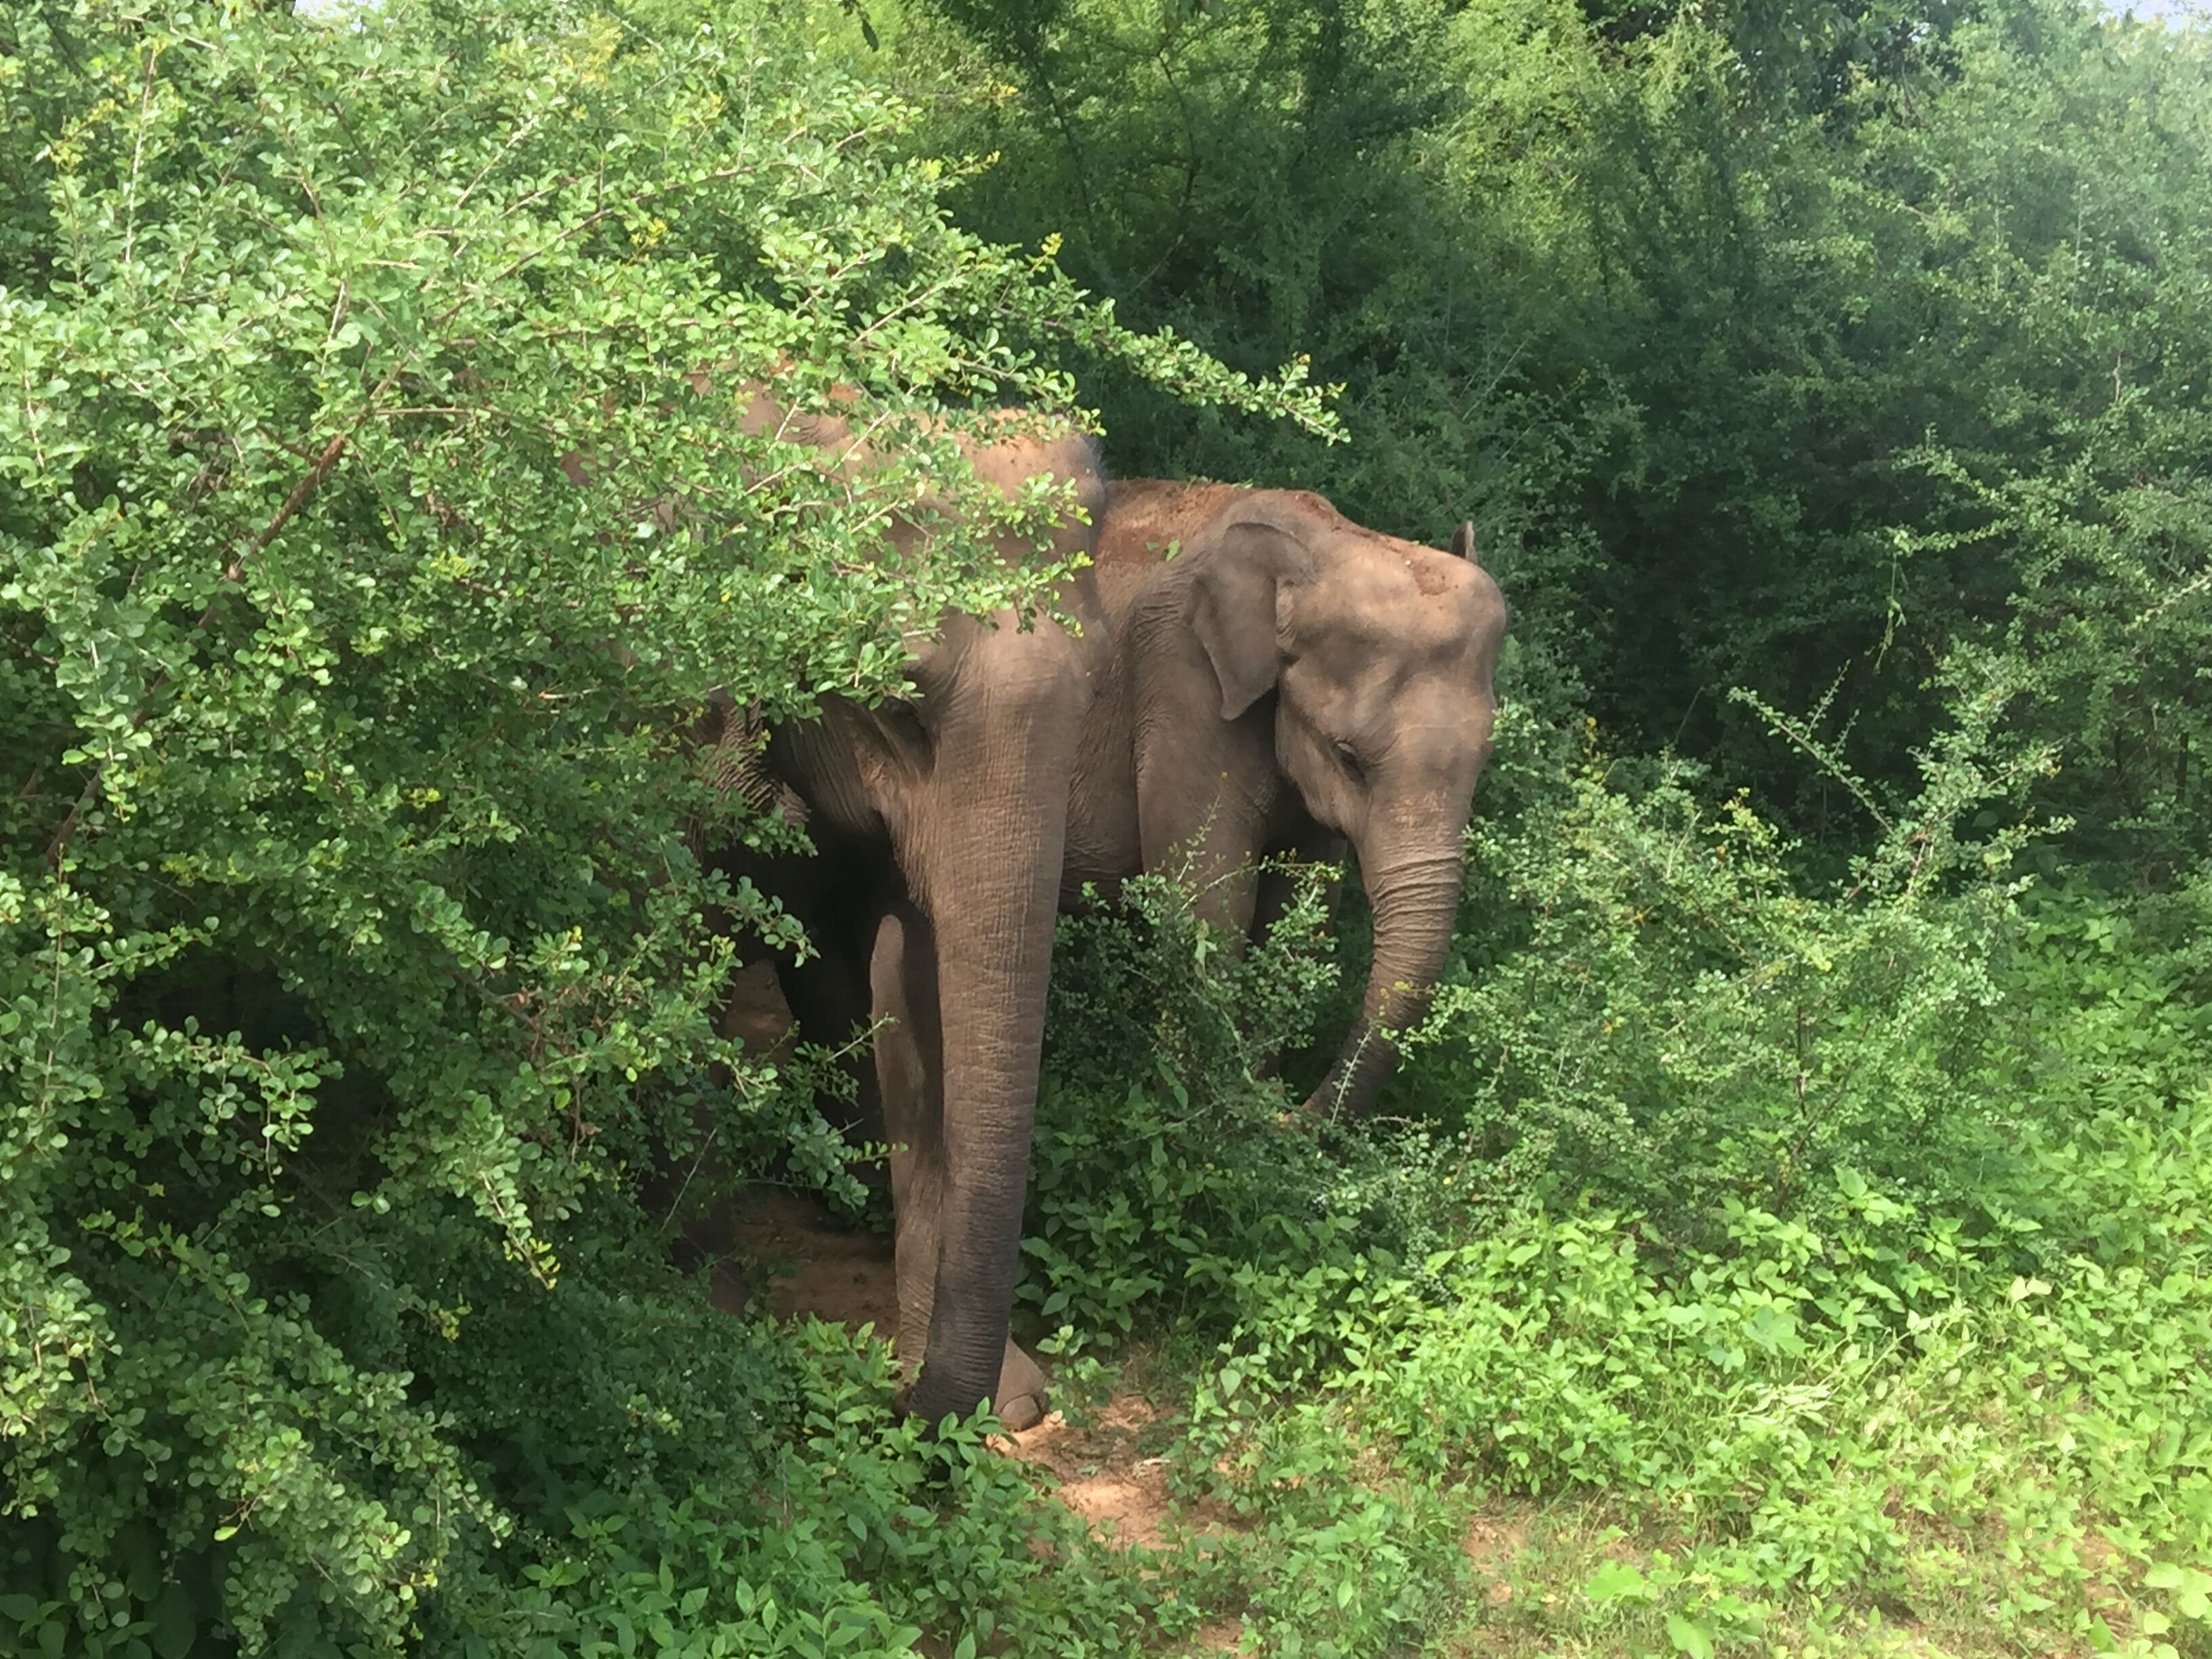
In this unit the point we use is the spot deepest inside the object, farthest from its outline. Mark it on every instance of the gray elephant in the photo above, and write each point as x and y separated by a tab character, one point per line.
1289	681
939	822
1285	682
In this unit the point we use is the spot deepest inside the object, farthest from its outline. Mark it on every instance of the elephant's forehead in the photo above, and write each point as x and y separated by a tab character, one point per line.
1396	596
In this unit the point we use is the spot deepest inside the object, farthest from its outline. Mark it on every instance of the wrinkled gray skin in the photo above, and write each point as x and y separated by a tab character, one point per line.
1286	683
940	821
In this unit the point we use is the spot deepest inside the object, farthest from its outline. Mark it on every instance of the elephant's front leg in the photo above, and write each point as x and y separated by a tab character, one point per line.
983	852
909	1072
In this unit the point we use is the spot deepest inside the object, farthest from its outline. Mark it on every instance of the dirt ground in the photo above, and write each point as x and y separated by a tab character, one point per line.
811	1263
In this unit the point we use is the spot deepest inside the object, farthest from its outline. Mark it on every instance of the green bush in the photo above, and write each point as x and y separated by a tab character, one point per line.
1796	1198
1814	1409
1767	346
1164	1156
355	952
1647	1001
1971	1390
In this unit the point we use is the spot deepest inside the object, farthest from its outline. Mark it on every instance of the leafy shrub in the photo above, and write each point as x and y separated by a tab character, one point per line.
1164	1159
354	947
1817	1407
1645	1001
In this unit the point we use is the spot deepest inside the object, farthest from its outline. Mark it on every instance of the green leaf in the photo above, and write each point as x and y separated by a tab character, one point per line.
1689	1636
1617	1581
174	1622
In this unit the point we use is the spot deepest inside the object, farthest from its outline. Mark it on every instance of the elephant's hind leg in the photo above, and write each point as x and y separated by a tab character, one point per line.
910	1076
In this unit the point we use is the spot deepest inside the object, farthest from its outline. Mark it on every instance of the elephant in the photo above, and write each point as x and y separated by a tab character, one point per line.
939	824
1291	680
1283	681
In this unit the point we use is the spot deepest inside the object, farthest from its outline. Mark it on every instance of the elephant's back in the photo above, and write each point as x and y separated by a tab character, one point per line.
1145	518
1025	449
1147	522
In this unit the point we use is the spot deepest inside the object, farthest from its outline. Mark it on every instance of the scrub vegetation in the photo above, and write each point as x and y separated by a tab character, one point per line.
1790	1231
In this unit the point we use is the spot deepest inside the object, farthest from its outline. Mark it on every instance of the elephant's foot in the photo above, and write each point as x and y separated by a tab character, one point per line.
1020	1398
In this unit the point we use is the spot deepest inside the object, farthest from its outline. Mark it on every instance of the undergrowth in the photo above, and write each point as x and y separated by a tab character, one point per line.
1832	1279
1764	1249
1835	1263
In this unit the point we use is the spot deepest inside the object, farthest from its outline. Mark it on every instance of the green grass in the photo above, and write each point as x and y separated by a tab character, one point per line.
1868	1435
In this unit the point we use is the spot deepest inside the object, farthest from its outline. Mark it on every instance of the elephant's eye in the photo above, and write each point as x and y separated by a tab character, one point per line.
1348	757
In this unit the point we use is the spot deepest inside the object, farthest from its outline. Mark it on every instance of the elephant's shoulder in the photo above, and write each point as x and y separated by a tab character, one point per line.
1149	520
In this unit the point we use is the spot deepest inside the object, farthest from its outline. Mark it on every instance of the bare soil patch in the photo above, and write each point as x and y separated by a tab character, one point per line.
1104	1474
1491	1545
1218	1636
809	1262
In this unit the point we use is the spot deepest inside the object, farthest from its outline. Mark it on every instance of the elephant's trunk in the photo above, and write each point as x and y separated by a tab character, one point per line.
1414	892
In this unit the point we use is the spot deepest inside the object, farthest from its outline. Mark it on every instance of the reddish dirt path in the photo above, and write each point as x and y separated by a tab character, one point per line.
1104	1474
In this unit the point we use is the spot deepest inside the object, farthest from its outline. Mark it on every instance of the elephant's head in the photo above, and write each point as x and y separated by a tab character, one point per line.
1381	655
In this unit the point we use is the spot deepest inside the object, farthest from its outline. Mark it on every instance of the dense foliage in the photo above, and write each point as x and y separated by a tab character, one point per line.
353	942
1770	346
1789	1231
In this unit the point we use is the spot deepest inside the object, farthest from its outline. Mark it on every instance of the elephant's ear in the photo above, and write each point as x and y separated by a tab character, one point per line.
1231	609
1462	545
